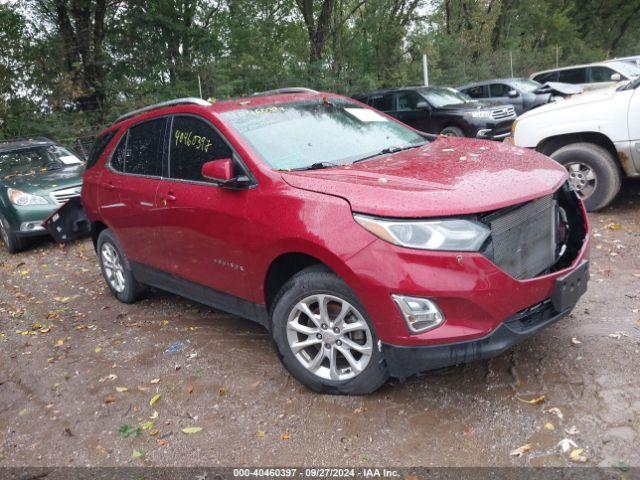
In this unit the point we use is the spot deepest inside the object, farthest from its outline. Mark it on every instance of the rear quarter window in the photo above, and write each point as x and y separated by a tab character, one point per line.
98	147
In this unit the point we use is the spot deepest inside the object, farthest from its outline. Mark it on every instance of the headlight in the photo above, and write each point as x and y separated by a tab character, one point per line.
451	235
478	114
21	199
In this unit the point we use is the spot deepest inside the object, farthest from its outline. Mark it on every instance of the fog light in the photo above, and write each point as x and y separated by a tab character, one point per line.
31	226
419	313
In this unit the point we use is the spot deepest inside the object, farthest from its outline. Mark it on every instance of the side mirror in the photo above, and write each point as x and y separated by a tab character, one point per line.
616	77
422	105
220	171
512	93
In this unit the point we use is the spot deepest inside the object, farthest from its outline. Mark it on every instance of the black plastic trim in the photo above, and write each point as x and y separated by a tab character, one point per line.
201	294
404	362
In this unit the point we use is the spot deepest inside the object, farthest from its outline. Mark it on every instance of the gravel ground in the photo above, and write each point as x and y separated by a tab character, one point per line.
79	373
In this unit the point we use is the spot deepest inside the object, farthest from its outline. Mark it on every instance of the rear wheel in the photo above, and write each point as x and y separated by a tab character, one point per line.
452	131
12	242
114	266
593	172
324	336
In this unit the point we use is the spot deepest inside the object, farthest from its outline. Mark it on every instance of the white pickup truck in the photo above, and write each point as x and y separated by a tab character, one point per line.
596	136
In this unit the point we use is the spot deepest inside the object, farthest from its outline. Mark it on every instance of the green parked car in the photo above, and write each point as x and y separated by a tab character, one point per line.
37	177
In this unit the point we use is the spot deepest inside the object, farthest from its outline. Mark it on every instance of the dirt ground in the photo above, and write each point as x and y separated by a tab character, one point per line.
79	372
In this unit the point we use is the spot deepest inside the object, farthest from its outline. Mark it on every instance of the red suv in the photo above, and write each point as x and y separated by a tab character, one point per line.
367	248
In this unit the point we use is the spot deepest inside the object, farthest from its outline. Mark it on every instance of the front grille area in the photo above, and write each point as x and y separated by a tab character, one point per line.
524	239
503	113
63	196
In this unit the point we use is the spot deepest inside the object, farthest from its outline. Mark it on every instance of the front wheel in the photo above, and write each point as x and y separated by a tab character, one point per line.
114	266
593	173
324	336
452	131
12	242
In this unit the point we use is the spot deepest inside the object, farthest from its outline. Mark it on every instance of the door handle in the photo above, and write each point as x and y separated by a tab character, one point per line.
170	197
111	186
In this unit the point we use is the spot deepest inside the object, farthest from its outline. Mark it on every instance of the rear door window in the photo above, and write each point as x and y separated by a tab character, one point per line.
193	143
144	148
118	156
573	75
383	103
476	92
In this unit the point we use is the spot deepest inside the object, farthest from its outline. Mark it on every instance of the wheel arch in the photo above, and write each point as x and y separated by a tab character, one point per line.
551	144
96	228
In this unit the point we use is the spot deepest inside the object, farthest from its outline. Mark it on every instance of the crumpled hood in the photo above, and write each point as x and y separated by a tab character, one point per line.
449	176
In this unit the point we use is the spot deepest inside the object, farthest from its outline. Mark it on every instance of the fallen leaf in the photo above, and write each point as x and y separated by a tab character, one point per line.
154	381
109	399
613	226
534	401
576	455
122	389
61	299
98	349
518	452
360	410
261	433
566	444
190	389
190	430
37	326
154	399
623	467
618	335
161	442
286	435
575	341
556	411
136	454
154	415
59	343
572	431
147	425
154	432
222	392
549	426
45	330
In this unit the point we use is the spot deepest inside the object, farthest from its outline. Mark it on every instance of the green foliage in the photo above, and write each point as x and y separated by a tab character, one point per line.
143	51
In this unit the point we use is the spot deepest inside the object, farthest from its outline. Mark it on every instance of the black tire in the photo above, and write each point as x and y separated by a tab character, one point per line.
308	282
452	131
608	177
12	242
132	290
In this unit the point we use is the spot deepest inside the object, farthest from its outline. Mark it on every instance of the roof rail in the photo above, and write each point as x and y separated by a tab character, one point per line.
168	103
26	139
284	90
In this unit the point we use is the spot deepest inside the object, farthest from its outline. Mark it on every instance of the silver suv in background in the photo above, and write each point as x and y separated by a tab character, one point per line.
591	76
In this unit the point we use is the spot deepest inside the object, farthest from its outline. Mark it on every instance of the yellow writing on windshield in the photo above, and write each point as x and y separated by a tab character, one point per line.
188	139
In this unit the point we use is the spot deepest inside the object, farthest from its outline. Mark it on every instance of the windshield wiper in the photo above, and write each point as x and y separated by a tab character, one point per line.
317	166
388	150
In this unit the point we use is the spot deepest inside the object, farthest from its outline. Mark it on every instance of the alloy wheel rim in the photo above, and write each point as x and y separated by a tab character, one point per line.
113	269
329	337
583	179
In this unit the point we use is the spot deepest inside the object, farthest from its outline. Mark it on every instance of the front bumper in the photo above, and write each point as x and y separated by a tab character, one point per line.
493	129
20	218
404	362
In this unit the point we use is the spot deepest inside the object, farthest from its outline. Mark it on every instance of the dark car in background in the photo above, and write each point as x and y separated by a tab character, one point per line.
442	110
523	93
37	176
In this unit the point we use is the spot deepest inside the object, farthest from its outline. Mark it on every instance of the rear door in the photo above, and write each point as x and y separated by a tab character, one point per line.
634	126
576	76
127	193
203	231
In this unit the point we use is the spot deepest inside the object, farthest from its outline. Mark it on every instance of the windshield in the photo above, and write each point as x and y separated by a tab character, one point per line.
29	161
627	69
298	135
440	96
526	84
